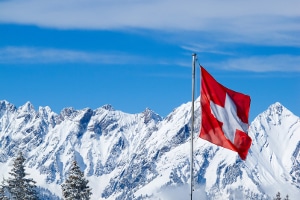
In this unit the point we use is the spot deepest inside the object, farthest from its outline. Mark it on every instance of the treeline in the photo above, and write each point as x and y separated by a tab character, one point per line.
278	197
18	187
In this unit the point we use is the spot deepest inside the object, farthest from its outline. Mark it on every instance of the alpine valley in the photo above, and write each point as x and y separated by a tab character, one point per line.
145	156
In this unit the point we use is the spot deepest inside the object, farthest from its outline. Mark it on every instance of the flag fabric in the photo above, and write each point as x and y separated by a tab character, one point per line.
224	116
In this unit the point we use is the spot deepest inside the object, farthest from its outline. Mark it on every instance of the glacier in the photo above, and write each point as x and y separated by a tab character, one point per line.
145	156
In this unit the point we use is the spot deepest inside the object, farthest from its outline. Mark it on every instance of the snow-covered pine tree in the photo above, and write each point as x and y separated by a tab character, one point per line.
75	186
277	196
3	191
20	187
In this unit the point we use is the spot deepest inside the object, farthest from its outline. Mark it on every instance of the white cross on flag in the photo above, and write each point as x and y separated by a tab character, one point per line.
224	116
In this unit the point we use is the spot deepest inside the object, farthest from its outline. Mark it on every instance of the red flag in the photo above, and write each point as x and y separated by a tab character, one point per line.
224	116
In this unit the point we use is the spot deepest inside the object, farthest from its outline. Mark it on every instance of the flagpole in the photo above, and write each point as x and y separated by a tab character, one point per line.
192	124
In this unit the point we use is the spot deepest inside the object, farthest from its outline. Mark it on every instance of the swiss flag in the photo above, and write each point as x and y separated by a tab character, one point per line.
224	116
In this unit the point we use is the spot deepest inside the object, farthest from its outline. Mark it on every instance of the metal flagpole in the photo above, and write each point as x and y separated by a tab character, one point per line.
192	124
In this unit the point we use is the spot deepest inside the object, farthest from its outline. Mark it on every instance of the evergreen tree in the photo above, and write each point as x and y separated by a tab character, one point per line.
287	197
3	191
75	186
277	196
20	187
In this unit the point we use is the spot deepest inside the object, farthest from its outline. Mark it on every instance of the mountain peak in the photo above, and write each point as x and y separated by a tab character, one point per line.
274	114
5	105
278	109
27	107
4	102
150	114
108	107
67	112
45	109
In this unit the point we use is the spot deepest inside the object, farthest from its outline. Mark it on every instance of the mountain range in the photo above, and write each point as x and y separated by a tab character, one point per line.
145	156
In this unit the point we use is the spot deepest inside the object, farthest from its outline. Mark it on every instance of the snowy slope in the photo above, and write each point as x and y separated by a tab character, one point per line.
142	156
275	156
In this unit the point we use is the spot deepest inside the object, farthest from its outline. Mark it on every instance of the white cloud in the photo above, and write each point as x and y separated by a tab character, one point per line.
196	25
41	55
278	63
33	55
268	20
204	48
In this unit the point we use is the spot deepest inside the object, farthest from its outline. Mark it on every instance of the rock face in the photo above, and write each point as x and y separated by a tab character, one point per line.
143	156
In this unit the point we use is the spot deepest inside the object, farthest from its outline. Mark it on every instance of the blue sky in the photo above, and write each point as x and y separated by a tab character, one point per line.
135	54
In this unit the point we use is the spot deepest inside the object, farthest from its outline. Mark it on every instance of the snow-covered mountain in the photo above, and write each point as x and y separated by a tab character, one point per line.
142	156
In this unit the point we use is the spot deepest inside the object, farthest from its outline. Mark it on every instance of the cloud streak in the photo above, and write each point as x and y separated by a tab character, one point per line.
274	63
191	14
256	20
195	25
30	55
35	55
